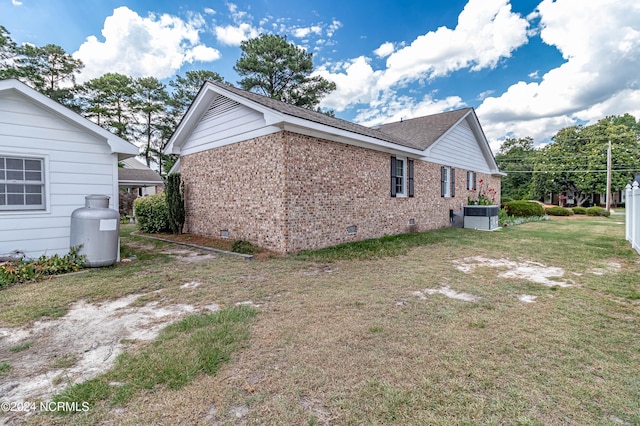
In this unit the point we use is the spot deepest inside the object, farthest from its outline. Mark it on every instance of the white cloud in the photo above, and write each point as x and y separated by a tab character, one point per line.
487	32
384	50
302	32
333	27
600	42
153	46
209	11
233	35
16	3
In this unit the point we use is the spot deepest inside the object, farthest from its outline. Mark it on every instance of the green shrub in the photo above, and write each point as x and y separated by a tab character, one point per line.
559	211
524	208
244	247
579	210
597	211
175	202
152	213
24	270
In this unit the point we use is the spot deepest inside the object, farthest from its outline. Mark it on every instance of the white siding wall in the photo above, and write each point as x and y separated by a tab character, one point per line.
459	148
232	123
76	164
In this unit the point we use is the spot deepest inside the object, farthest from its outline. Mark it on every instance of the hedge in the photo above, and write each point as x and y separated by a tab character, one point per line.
598	211
152	213
579	210
524	208
559	211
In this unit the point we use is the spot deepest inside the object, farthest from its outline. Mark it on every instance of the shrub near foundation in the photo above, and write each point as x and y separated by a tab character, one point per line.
152	213
524	208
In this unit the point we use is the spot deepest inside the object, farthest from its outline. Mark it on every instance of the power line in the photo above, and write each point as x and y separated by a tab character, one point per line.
572	171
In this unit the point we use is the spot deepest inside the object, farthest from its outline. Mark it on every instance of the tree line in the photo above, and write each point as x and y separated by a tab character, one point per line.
146	111
575	161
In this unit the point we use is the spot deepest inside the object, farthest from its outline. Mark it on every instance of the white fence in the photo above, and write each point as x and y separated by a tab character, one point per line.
632	205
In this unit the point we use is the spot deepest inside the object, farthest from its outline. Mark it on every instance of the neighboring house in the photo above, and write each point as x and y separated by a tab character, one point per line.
135	177
50	159
289	179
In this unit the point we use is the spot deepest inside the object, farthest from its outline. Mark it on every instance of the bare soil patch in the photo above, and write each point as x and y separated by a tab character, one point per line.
76	347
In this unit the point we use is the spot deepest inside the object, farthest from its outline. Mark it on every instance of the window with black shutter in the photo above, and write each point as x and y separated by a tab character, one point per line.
399	177
410	189
447	181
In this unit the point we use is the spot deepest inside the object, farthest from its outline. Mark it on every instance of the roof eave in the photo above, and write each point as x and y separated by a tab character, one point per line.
119	146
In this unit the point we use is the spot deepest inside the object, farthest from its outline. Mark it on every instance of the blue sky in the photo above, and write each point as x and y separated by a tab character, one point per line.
529	68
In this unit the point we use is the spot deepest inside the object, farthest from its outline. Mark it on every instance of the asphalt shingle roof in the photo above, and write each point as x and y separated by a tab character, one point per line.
139	175
422	132
391	134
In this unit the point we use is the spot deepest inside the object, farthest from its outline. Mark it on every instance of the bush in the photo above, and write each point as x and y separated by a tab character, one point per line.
152	213
597	211
175	202
24	270
579	210
559	211
524	208
244	247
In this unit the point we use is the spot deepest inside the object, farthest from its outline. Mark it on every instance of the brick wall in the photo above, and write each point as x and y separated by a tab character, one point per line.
289	192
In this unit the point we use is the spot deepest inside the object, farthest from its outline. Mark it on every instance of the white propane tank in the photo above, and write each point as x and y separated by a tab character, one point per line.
97	228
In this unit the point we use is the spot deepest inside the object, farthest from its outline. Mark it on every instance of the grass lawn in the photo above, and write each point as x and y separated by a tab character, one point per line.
369	334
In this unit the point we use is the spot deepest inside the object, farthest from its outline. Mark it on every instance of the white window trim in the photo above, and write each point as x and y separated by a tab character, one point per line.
447	182
403	194
471	176
45	175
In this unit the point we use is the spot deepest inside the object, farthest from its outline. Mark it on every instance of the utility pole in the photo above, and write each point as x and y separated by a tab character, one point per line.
609	177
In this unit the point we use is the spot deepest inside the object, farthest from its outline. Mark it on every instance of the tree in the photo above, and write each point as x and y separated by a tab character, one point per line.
7	53
150	102
186	88
517	159
49	70
576	161
276	68
110	100
175	202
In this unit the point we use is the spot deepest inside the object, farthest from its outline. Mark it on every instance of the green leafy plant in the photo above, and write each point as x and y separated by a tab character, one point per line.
579	210
524	208
559	211
175	202
24	270
486	196
152	213
598	211
245	247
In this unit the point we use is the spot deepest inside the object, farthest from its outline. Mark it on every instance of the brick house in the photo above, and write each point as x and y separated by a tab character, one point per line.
289	179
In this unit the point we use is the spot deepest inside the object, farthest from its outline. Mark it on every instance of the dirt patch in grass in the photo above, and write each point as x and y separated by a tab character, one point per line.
78	346
528	270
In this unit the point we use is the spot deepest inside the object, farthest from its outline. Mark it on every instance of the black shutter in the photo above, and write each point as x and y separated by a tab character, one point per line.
410	177
443	180
453	182
393	176
474	181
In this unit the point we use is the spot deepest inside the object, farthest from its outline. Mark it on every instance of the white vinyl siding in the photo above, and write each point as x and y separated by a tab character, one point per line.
232	123
459	148
75	163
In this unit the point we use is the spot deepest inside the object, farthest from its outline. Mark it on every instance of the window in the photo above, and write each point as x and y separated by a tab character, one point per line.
471	181
401	177
447	181
21	183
